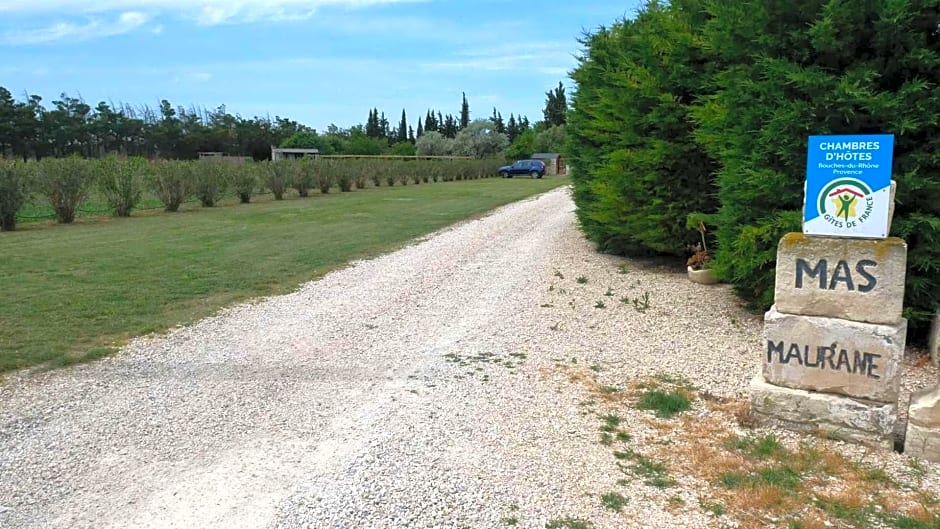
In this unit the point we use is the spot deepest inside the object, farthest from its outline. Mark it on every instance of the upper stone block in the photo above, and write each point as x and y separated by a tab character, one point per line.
851	279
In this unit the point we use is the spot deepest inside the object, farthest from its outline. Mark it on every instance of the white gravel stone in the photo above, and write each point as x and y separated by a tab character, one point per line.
414	390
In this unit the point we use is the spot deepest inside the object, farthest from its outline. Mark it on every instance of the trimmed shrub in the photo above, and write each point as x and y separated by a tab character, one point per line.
66	183
121	181
303	176
324	174
13	189
277	177
172	182
821	68
344	175
638	172
210	180
244	180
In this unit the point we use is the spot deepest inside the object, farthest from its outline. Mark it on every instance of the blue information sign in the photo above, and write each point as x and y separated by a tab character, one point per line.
848	186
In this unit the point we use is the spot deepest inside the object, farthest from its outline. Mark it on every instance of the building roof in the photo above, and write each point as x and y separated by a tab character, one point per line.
297	151
546	156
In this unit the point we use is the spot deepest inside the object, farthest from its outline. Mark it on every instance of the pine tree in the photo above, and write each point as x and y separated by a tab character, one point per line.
464	112
512	129
403	128
439	123
384	130
497	120
556	106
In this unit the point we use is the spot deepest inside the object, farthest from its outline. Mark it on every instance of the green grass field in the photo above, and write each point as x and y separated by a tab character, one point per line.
73	293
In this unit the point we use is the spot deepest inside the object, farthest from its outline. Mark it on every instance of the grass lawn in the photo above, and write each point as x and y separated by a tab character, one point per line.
73	293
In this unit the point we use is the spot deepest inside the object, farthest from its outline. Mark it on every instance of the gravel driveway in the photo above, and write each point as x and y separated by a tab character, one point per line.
413	390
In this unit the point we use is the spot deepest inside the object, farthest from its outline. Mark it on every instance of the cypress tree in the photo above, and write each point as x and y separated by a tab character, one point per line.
464	112
420	131
512	130
403	128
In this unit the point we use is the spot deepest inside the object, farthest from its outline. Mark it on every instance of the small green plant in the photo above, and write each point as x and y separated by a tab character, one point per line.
665	404
596	368
581	280
607	439
511	520
13	189
610	292
600	305
611	422
716	508
622	268
65	182
120	180
614	501
624	437
642	304
569	523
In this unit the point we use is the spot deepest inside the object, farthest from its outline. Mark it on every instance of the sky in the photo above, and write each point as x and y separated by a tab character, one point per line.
314	61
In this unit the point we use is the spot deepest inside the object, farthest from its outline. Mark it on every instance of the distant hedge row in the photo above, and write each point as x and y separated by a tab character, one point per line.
64	184
703	108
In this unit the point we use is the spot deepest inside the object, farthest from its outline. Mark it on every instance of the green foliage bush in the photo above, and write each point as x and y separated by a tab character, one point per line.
121	181
636	167
172	182
303	176
210	179
14	183
698	106
65	183
278	178
324	174
245	180
343	174
822	68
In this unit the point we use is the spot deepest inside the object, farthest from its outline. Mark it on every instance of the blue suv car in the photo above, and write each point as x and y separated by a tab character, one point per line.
533	168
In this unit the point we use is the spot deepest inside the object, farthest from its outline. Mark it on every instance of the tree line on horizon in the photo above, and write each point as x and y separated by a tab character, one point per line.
70	126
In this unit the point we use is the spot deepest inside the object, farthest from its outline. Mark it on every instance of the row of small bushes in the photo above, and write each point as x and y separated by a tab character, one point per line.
66	183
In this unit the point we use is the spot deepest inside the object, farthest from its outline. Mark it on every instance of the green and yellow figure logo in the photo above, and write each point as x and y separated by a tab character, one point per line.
846	202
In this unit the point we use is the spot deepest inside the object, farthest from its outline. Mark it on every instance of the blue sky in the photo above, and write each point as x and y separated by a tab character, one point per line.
315	61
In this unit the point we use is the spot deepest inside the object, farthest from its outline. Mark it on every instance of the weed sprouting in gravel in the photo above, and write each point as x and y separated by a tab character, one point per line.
607	439
600	305
622	268
511	520
642	304
665	404
569	523
624	437
595	368
611	422
716	508
614	501
582	280
559	275
610	292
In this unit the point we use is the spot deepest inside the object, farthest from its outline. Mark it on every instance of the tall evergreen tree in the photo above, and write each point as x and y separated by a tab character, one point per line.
403	127
556	106
420	131
497	120
512	129
464	112
411	133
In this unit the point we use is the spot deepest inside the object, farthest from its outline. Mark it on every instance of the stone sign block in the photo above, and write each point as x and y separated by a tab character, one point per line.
834	356
851	279
866	422
923	426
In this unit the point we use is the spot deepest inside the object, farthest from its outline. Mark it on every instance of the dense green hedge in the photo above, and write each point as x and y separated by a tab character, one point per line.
766	75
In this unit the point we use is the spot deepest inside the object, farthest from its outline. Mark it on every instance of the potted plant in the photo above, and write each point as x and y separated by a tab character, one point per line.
698	263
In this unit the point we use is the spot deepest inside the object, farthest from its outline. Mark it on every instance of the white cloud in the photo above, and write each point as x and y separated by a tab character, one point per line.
207	12
93	28
546	57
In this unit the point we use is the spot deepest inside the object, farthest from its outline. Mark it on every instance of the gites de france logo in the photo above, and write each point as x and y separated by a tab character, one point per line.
846	203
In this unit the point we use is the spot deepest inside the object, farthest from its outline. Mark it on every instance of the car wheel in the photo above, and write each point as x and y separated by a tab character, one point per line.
534	174
504	174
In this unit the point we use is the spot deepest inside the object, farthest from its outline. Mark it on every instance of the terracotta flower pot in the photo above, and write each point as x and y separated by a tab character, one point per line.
705	276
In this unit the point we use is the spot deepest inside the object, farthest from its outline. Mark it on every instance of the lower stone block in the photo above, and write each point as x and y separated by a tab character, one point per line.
923	426
836	416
